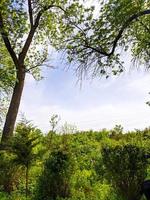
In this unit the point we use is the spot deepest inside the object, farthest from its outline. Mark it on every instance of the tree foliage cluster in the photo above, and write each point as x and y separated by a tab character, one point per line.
120	25
108	164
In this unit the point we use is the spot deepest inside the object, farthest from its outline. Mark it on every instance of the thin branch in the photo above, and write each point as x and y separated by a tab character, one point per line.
41	65
96	50
7	42
30	12
37	65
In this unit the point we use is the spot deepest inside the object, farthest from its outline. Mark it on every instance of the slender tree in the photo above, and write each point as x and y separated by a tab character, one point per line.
25	26
23	148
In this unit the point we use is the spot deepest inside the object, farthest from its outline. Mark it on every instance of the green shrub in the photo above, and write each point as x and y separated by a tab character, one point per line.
13	196
126	168
9	173
4	196
55	180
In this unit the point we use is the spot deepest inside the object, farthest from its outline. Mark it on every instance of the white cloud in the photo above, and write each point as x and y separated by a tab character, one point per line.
105	116
99	104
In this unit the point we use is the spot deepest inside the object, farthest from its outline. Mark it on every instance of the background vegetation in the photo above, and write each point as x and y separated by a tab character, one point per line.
108	164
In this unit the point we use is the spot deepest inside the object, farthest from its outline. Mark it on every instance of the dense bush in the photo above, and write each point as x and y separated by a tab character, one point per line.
126	168
55	180
9	173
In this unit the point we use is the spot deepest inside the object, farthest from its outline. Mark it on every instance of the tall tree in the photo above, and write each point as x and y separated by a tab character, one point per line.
26	29
118	26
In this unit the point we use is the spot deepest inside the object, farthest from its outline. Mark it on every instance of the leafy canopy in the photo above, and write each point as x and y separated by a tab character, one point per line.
49	18
98	41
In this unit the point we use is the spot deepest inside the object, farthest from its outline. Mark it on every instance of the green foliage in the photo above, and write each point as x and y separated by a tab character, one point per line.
24	143
24	146
116	132
13	196
79	166
55	180
53	23
54	120
3	108
97	42
9	173
125	169
7	80
7	71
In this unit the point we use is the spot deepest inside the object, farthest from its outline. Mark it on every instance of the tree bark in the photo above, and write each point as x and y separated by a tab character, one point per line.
14	106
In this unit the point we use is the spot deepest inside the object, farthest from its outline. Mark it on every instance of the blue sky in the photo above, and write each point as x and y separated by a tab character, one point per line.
98	104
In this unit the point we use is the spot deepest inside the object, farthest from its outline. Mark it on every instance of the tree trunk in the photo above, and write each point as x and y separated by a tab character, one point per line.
27	180
13	107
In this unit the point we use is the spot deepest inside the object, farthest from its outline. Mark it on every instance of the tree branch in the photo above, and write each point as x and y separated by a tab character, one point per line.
37	65
96	50
126	24
24	51
7	42
30	12
26	46
115	42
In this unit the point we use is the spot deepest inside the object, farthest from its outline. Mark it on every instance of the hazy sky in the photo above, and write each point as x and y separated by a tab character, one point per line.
98	104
